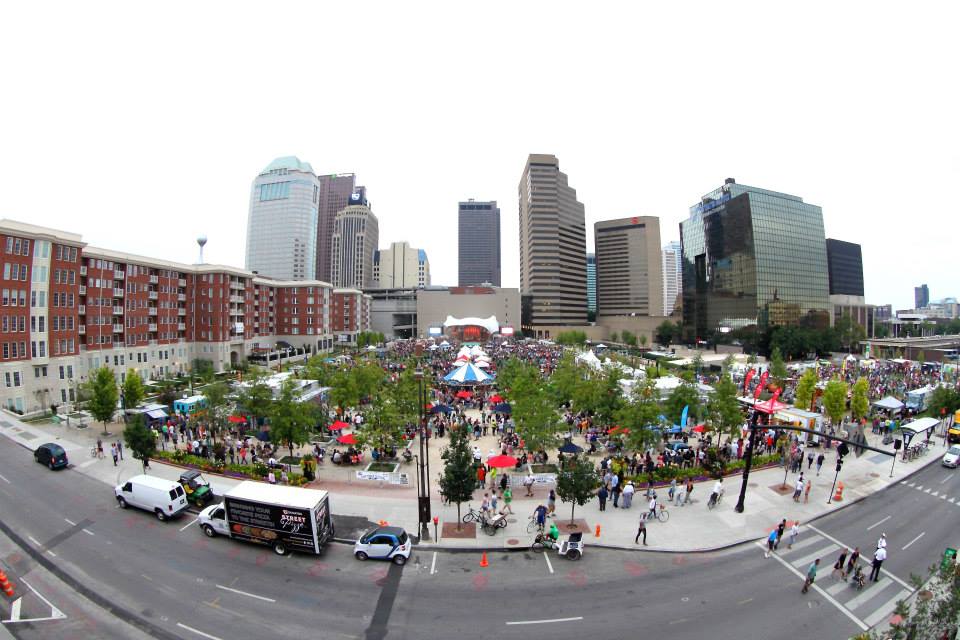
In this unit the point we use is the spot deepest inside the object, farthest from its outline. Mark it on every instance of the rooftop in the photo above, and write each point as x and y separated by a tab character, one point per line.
292	163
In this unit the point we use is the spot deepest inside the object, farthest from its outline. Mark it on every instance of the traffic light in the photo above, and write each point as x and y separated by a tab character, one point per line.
839	464
843	450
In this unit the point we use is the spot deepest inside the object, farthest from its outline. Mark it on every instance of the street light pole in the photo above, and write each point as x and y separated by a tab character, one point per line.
748	461
423	486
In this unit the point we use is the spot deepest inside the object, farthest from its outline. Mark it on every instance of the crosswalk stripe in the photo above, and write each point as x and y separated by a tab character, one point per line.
912	484
920	488
951	501
803	542
927	490
834	589
935	494
943	496
884	571
869	592
886	608
903	482
822	554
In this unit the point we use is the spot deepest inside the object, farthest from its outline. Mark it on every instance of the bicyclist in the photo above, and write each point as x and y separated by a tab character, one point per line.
540	515
554	532
717	491
653	507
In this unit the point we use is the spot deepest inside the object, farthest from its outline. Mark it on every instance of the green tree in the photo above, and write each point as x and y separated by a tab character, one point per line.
640	416
382	428
133	391
778	370
203	369
218	406
256	398
343	390
102	388
577	482
932	616
290	420
835	400
727	363
643	340
684	395
807	385
140	440
665	333
849	332
697	362
459	477
628	338
535	415
565	379
571	338
368	378
859	399
943	402
614	337
724	409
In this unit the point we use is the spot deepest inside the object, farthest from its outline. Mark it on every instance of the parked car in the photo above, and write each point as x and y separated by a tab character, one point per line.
384	543
952	457
164	498
52	455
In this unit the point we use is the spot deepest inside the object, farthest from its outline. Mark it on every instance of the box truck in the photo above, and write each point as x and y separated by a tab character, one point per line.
283	518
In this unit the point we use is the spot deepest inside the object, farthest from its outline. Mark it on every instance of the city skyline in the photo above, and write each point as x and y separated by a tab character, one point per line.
201	112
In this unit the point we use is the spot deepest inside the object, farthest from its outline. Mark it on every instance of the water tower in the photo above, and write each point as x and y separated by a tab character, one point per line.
202	240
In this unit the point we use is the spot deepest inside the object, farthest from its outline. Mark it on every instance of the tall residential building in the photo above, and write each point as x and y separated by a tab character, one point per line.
845	268
282	224
592	282
553	253
335	192
400	267
672	270
629	268
478	225
921	296
356	234
753	257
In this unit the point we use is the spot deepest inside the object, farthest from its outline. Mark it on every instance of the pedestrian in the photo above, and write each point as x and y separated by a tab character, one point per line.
493	503
615	491
627	493
882	542
794	532
493	478
652	506
485	504
806	492
681	495
120	448
840	564
540	515
99	448
641	531
507	499
271	478
878	558
113	452
780	529
811	575
688	497
481	477
673	489
771	542
798	488
504	481
602	497
809	460
551	502
819	463
852	562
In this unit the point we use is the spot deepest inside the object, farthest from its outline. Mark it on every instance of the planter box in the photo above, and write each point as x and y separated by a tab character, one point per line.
375	472
543	473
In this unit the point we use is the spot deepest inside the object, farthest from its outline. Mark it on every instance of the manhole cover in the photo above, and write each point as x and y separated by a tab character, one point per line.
513	542
874	475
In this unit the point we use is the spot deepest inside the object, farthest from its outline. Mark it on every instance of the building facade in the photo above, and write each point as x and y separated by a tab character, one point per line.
592	283
629	267
335	192
393	312
356	234
845	268
282	223
752	258
672	276
434	304
400	267
553	255
478	252
921	296
69	309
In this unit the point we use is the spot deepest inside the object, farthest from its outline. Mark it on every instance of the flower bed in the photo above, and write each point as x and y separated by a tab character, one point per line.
661	477
257	471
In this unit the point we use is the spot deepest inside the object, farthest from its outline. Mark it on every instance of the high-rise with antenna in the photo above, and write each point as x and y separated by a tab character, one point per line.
201	240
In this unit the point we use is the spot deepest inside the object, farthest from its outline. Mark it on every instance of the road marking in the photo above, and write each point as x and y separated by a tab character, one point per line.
433	564
70	522
868	592
903	482
912	484
927	490
821	553
834	589
877	524
920	488
935	494
886	608
88	532
914	540
951	501
189	524
817	588
86	464
55	614
51	553
15	610
547	558
945	480
244	593
197	631
678	621
545	621
4	479
745	601
884	571
34	541
943	496
146	577
803	543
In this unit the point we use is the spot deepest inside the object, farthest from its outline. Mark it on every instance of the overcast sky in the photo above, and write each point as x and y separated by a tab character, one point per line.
142	125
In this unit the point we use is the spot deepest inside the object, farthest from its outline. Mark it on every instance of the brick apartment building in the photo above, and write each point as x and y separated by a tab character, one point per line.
67	309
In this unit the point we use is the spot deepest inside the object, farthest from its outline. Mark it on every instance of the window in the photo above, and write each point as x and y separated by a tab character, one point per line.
43	349
16	378
274	191
70	371
61	372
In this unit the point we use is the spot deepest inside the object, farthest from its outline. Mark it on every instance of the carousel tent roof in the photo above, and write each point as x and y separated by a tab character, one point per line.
467	373
490	324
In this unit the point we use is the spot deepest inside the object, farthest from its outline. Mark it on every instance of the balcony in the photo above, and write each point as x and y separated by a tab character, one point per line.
153	295
118	292
151	311
182	282
182	297
236	299
82	329
181	312
83	290
118	328
117	311
82	309
152	328
181	327
83	270
154	279
118	275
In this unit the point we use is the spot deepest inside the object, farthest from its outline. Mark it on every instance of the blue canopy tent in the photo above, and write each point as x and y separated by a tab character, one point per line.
442	408
569	447
503	407
468	374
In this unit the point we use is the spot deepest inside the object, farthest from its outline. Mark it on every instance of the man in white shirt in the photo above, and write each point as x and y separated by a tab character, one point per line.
878	559
882	542
717	490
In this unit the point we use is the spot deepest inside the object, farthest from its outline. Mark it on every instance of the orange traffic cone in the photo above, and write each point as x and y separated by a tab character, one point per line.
596	533
483	560
382	523
839	494
5	585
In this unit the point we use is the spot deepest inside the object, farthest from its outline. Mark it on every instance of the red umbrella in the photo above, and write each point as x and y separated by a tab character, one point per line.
502	462
347	439
339	425
496	398
466	395
617	430
237	419
700	428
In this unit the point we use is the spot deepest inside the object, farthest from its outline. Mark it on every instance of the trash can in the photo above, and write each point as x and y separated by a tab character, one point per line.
949	557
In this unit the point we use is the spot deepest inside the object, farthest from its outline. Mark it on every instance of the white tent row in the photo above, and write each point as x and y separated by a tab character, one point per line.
590	359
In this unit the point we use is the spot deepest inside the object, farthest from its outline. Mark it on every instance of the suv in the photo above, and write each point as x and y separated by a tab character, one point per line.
52	455
384	543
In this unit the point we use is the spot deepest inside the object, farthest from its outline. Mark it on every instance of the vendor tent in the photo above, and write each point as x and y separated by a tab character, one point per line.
668	383
467	374
889	404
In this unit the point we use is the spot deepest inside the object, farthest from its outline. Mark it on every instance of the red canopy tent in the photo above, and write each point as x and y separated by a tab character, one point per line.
496	398
465	395
339	425
347	439
700	428
502	462
237	419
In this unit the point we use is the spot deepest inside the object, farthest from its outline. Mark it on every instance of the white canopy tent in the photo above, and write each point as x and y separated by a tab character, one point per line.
889	404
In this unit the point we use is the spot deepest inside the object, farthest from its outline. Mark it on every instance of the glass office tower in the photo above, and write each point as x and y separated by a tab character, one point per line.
752	258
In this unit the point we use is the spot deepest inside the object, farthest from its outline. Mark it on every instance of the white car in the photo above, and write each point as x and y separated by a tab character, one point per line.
384	543
952	457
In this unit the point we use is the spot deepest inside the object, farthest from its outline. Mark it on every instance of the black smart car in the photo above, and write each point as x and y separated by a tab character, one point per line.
51	454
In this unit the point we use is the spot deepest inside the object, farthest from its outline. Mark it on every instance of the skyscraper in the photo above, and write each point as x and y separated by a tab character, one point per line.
553	254
845	268
753	257
629	267
672	260
592	282
356	234
335	192
479	243
282	223
921	296
401	267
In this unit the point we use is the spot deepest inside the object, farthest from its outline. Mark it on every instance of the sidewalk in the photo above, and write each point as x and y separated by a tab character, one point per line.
690	528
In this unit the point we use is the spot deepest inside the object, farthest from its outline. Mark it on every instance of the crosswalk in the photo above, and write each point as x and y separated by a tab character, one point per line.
933	492
867	607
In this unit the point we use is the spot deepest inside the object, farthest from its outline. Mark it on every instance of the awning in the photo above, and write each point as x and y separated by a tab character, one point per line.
157	414
890	403
920	425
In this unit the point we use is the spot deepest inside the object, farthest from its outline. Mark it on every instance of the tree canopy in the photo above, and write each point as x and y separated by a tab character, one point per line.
459	478
577	482
133	391
140	440
724	409
806	386
104	395
835	400
859	399
290	419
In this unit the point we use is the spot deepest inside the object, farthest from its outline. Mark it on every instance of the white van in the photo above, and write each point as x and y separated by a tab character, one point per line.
165	498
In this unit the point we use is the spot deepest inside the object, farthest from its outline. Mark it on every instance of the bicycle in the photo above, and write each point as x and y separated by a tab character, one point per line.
473	516
93	452
543	542
662	514
533	525
715	499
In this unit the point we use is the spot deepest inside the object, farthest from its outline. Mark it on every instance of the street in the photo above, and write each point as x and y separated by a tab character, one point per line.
170	581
